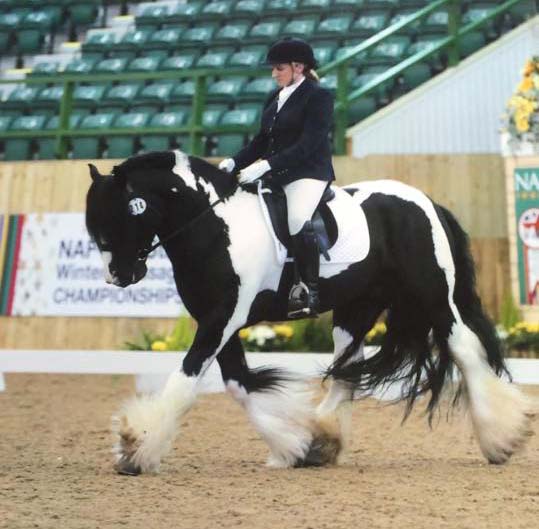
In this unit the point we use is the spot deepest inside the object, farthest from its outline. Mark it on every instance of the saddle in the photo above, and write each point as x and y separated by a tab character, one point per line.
323	220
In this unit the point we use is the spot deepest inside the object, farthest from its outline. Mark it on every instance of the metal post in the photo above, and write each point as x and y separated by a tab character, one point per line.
66	105
199	102
341	115
453	30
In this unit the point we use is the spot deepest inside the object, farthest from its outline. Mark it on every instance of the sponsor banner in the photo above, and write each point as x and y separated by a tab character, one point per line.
526	181
58	271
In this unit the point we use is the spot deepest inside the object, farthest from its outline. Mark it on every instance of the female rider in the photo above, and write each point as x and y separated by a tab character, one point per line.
293	146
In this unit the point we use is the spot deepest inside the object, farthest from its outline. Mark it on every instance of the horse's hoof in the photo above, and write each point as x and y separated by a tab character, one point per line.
324	450
127	468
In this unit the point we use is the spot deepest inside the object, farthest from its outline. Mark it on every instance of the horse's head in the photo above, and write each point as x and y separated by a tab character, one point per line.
122	224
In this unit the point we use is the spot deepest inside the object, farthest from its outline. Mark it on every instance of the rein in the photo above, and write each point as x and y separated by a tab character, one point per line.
144	252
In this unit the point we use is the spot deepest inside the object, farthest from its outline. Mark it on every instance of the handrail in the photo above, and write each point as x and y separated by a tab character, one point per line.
200	76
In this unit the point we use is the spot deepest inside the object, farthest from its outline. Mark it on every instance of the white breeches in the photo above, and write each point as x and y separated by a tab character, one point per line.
302	198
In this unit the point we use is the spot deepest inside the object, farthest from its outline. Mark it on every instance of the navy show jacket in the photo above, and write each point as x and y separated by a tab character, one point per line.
295	140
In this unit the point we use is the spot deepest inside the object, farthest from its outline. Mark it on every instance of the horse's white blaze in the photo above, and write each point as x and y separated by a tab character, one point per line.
499	411
152	421
183	169
284	417
442	250
107	258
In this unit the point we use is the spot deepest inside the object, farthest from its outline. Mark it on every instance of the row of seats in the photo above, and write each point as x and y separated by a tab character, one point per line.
118	146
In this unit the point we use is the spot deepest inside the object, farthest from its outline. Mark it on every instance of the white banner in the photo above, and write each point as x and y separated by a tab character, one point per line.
60	273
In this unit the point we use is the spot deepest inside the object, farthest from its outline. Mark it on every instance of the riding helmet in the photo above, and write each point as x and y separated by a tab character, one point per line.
289	50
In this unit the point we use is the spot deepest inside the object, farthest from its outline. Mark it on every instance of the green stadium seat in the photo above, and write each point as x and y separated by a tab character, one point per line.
216	10
226	90
425	43
369	23
162	41
183	92
329	81
281	7
20	148
185	60
115	65
91	147
146	64
9	21
80	66
389	51
229	143
30	41
399	16
301	27
118	98
249	9
162	142
152	16
338	6
55	13
20	100
100	42
265	31
88	96
153	97
197	36
523	11
41	20
315	6
257	89
471	42
382	93
47	101
358	60
5	122
45	68
46	146
83	12
132	43
335	26
436	22
415	75
324	53
388	5
248	57
418	4
233	32
479	12
124	146
212	59
185	12
360	109
211	117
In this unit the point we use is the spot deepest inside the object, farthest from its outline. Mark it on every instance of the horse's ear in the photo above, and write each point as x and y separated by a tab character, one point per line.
94	173
120	178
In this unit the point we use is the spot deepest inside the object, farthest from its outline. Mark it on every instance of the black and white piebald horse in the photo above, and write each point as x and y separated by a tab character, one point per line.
396	251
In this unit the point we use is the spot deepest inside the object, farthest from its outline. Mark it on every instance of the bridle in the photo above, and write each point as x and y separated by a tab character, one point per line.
143	253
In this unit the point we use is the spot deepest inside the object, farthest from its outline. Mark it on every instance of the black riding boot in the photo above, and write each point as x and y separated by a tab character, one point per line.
303	301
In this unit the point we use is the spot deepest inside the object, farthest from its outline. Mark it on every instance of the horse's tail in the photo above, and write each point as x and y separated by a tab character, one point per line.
466	297
414	350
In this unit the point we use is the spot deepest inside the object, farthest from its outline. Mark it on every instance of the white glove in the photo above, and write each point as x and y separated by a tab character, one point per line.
254	172
227	165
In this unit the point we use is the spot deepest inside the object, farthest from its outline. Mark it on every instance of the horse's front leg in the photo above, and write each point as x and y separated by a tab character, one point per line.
148	424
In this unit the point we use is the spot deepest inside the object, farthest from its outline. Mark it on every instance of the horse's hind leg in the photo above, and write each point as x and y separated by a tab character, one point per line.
350	325
499	411
280	408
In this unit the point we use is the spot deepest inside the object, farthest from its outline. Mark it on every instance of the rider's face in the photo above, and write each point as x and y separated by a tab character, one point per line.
286	74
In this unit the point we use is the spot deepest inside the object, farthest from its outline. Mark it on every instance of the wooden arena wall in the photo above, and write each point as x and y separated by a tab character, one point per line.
472	186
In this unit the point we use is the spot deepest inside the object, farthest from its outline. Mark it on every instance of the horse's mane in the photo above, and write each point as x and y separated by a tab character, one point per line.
140	162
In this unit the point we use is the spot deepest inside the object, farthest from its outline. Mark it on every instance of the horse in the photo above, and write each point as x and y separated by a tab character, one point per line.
416	267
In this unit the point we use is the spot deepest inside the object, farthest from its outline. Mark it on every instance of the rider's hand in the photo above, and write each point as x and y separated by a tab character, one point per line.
254	172
227	165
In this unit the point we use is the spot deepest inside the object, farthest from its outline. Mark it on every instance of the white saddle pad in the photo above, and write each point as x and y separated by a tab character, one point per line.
353	242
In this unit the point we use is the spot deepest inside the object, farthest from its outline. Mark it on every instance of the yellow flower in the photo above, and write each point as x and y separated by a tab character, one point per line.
159	345
528	68
526	84
522	124
283	330
535	79
244	333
